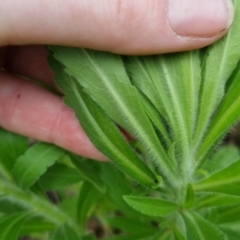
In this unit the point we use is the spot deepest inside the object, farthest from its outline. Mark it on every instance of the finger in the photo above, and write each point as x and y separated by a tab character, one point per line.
29	61
31	111
121	26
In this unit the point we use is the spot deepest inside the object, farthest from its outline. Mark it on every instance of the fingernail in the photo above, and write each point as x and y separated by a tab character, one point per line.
200	18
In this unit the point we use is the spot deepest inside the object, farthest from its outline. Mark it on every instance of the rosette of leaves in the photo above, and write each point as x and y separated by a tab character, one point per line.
177	109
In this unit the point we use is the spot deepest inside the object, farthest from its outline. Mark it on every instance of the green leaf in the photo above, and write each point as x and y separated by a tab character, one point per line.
36	225
102	131
224	181
90	236
89	171
228	214
117	187
221	59
120	101
216	199
231	230
65	232
200	229
228	113
155	207
133	226
34	163
88	197
10	226
12	146
224	156
59	176
32	202
171	82
190	197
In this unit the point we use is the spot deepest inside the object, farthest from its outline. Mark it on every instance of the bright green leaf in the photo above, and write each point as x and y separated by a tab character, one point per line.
190	197
65	232
200	229
58	176
216	199
34	163
88	197
91	69
220	61
12	146
10	226
151	206
89	171
224	181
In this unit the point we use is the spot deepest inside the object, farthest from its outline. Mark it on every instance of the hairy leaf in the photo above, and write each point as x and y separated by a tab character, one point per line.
224	181
220	61
111	90
102	131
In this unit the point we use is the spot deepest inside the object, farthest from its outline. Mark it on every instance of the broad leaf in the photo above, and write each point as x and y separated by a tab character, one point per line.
65	232
34	163
10	226
224	181
200	229
58	176
155	207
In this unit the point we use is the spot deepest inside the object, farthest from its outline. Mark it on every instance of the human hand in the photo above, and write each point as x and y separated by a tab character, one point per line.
126	26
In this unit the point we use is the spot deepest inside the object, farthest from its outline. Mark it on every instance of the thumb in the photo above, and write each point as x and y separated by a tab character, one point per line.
121	26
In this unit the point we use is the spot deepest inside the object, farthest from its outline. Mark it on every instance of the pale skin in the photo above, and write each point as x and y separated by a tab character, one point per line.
125	27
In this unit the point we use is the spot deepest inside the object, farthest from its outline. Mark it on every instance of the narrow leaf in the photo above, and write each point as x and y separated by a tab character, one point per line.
34	163
155	207
88	197
217	199
11	226
222	58
190	197
65	232
102	131
89	171
120	100
224	181
228	113
200	229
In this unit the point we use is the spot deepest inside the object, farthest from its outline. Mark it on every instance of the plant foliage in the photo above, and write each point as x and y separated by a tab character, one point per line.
166	182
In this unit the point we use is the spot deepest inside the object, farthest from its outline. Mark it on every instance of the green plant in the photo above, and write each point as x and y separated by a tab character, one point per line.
166	182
